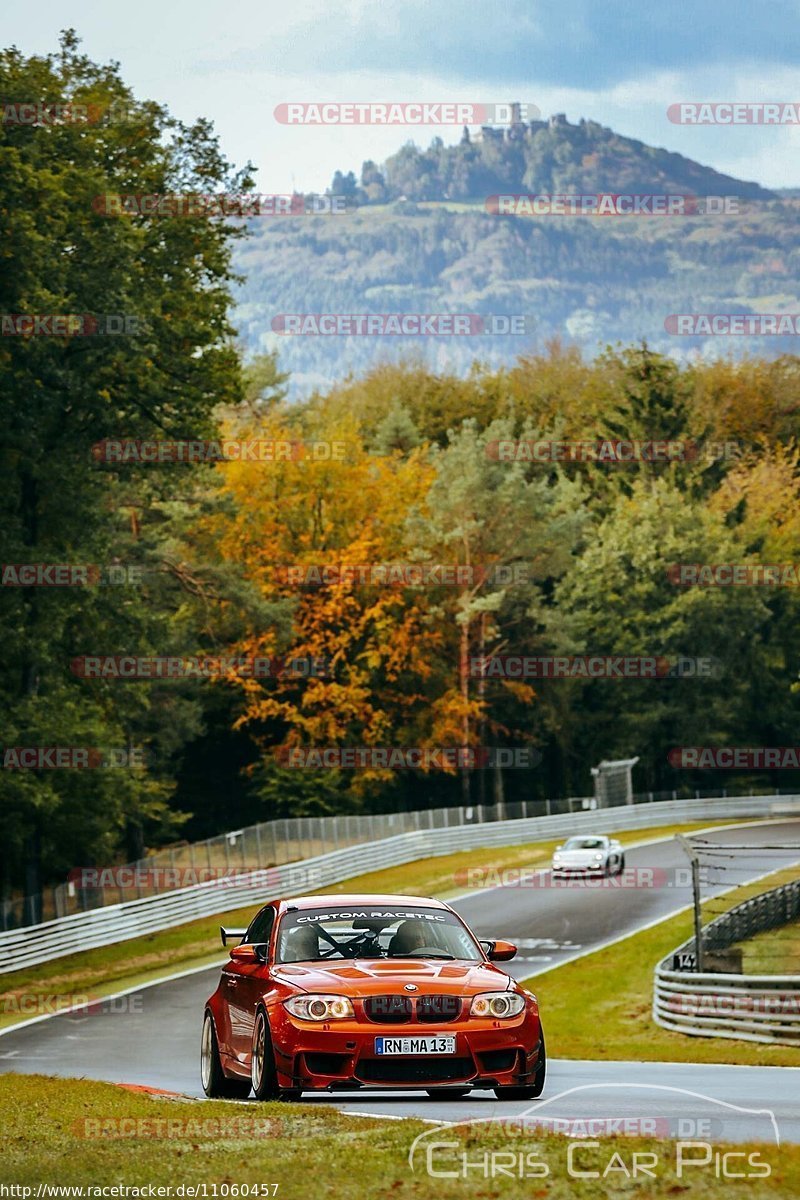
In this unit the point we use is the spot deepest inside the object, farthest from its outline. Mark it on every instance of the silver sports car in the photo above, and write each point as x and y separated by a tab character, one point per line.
593	854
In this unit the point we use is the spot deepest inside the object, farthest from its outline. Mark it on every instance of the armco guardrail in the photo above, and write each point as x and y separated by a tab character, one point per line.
115	923
769	910
756	1008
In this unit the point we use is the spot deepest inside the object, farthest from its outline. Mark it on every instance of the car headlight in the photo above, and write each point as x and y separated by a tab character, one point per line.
320	1007
497	1004
556	858
598	858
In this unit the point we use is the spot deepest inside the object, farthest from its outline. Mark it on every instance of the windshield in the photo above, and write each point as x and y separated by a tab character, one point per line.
577	843
373	931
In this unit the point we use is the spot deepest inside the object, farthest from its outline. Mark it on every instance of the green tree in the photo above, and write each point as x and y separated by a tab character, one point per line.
618	598
64	394
518	530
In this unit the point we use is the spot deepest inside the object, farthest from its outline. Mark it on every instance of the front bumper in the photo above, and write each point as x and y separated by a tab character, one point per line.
487	1055
563	871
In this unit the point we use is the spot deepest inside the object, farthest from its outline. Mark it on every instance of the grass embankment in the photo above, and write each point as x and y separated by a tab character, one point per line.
776	952
317	1150
600	1006
108	969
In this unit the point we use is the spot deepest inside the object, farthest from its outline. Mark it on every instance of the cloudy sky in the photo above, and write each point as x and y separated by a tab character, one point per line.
619	63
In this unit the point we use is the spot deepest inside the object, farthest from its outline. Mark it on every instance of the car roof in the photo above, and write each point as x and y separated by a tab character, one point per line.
342	900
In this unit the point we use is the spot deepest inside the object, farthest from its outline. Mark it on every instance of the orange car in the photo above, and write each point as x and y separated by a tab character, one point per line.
353	992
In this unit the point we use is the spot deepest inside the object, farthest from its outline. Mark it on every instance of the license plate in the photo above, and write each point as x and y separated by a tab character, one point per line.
415	1045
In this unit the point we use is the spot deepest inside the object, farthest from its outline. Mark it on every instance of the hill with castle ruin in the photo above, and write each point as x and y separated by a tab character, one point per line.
417	238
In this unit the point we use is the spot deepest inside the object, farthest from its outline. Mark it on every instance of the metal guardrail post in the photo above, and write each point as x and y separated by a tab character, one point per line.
698	932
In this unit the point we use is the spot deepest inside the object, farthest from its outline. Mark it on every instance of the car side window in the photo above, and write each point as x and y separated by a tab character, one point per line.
261	926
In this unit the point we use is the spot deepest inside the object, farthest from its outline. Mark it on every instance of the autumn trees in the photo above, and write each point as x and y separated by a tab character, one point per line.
569	558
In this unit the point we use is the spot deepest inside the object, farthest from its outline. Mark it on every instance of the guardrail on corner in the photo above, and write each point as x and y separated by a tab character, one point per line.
755	1008
35	944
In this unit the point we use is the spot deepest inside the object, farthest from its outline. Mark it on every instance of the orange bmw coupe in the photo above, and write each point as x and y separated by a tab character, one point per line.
324	993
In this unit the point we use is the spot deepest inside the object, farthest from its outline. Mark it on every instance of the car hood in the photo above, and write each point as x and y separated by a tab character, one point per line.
578	858
376	976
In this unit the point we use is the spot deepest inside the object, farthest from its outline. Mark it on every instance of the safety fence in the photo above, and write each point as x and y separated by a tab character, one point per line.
131	918
758	1008
769	910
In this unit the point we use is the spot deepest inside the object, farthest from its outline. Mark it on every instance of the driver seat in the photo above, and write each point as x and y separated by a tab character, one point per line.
408	936
302	945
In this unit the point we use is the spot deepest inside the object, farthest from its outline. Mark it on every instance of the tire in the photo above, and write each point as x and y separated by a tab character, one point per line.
448	1093
621	864
263	1075
534	1091
216	1083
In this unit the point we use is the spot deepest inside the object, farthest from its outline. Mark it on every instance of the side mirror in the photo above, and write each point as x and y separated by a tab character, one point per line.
245	954
499	951
558	848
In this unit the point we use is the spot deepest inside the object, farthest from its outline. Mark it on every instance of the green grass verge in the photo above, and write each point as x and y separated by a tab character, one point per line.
108	969
317	1151
599	1006
776	952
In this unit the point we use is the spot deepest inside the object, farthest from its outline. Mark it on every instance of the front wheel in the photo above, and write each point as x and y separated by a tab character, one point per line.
214	1080
534	1091
263	1075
